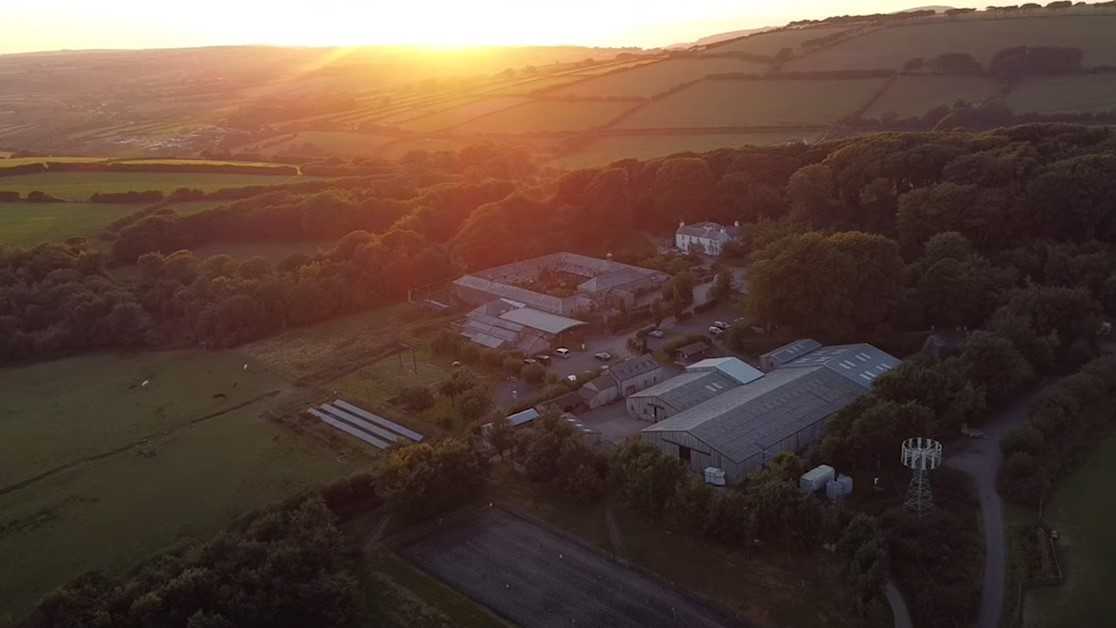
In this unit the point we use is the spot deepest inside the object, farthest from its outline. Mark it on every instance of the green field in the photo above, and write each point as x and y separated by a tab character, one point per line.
729	103
1064	94
912	96
400	147
646	81
454	116
607	149
100	472
271	251
769	44
892	47
548	117
23	161
331	143
1084	514
30	224
79	186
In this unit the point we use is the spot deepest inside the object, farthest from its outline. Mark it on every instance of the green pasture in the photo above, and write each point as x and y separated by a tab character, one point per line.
1084	514
648	80
439	120
745	103
79	186
769	44
912	96
548	117
1064	94
321	143
271	251
100	473
607	149
890	48
30	224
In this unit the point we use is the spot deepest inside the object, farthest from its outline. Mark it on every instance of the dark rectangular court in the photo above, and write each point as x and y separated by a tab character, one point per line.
537	578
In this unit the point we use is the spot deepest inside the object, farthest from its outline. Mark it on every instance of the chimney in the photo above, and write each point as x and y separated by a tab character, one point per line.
736	224
681	223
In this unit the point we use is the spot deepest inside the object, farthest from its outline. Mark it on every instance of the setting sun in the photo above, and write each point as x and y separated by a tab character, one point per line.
63	24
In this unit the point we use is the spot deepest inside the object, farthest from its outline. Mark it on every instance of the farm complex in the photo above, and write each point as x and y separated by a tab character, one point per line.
529	305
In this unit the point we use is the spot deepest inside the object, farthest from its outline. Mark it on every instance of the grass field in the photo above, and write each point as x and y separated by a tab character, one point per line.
912	96
30	224
271	251
1068	94
646	81
892	47
321	143
548	117
23	161
1084	515
99	472
769	44
197	207
460	114
400	147
607	149
79	186
727	103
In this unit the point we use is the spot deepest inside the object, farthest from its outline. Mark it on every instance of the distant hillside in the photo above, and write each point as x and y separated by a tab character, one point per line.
805	82
718	38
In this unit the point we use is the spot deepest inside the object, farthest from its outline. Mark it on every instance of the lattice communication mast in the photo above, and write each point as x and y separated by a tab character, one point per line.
921	456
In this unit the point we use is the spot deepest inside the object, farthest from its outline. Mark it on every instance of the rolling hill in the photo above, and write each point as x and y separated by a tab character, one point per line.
809	81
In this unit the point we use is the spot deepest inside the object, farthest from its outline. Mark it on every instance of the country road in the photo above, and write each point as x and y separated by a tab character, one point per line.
980	459
898	607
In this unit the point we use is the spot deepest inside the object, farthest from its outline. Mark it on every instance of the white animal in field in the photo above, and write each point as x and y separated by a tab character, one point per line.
245	366
145	383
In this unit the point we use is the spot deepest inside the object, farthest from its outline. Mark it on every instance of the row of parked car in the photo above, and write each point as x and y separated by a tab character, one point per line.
720	327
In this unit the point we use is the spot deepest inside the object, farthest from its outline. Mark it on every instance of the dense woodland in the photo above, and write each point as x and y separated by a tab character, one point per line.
1000	244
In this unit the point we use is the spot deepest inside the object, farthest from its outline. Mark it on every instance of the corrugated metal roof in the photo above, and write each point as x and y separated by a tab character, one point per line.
859	363
792	350
690	389
542	321
733	367
519	418
635	367
749	419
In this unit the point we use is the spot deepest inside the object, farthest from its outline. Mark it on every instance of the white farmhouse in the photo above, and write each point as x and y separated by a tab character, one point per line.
710	236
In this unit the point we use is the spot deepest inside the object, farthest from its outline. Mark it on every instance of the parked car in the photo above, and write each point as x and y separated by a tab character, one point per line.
603	356
562	352
721	325
572	378
543	358
715	331
530	361
738	320
656	333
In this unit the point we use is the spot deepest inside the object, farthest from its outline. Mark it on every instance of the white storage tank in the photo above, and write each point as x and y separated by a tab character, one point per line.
846	483
714	476
816	478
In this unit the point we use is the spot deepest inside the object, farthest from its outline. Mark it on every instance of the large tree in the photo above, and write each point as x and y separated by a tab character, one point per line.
830	283
683	190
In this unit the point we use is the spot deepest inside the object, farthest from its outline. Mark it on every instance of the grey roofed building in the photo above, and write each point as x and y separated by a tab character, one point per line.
634	367
692	349
709	230
542	321
688	389
478	290
777	357
733	367
740	430
859	363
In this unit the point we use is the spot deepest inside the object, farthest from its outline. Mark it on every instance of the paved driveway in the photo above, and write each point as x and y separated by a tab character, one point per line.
981	459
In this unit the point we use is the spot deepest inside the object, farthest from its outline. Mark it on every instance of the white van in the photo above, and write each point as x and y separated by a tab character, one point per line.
562	352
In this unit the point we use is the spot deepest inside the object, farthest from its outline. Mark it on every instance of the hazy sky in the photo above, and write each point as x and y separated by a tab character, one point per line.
57	24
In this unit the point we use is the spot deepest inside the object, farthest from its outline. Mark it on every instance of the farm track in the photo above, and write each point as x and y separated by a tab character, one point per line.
108	454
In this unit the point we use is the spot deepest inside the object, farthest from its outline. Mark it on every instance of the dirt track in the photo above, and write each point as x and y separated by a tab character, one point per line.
534	577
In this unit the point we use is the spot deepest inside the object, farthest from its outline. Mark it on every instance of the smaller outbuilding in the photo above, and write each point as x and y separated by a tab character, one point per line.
622	380
692	352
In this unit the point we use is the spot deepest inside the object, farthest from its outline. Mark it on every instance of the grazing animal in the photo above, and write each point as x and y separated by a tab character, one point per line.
220	396
145	383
